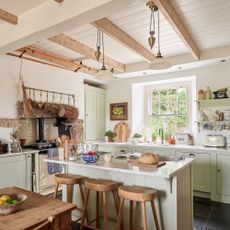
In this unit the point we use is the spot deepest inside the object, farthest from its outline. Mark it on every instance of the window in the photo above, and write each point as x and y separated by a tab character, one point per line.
168	109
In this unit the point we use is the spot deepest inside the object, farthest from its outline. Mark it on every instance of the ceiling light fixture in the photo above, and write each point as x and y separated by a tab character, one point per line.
159	63
153	9
98	46
104	74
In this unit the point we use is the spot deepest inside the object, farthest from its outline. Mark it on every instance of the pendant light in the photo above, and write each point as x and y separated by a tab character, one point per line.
104	74
153	9
98	46
159	63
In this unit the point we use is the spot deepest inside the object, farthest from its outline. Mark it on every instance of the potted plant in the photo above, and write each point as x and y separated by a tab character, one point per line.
154	138
110	135
137	138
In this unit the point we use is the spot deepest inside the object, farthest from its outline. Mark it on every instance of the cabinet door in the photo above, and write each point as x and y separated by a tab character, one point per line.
13	171
94	113
143	150
201	170
90	115
223	172
100	116
114	149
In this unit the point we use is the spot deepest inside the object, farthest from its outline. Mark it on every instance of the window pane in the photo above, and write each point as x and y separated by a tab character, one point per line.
166	105
155	109
163	108
163	96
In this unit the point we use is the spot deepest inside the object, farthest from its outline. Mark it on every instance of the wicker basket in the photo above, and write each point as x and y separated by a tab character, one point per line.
10	208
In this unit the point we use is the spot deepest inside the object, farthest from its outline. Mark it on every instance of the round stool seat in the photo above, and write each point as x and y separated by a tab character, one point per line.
101	185
136	193
68	179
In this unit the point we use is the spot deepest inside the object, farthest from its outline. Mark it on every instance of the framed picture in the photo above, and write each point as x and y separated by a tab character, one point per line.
119	111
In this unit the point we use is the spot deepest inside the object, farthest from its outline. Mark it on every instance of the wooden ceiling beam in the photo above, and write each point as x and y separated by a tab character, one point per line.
8	17
56	59
122	37
174	20
88	52
37	61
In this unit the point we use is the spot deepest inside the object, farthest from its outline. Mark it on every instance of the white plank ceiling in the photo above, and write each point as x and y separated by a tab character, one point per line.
207	21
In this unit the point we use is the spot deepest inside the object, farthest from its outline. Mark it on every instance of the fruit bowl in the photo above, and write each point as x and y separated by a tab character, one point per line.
87	158
11	202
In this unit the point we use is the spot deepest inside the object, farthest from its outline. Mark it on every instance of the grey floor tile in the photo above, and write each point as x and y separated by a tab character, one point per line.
218	222
198	222
202	210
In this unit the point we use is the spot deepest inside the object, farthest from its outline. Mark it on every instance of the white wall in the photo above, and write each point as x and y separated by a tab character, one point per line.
38	76
120	90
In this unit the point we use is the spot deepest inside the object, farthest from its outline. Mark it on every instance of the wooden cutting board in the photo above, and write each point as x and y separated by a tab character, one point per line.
135	163
122	130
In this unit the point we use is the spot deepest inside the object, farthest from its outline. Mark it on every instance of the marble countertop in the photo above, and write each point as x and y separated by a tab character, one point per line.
166	146
166	171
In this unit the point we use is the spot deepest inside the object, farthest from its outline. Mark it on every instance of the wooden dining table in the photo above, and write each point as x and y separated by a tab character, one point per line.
35	210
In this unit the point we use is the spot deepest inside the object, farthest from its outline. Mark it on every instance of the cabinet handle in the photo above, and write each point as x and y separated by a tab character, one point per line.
191	154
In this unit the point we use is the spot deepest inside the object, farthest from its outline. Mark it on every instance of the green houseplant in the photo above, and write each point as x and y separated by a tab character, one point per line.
137	138
110	135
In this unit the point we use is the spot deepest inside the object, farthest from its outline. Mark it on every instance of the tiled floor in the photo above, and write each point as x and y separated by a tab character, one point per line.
209	215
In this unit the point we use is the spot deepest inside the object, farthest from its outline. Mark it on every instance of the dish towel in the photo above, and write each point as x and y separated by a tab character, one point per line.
53	167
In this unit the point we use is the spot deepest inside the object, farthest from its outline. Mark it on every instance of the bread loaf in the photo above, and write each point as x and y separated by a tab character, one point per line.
148	158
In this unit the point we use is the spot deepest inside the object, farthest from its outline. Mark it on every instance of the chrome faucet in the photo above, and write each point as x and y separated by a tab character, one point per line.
161	135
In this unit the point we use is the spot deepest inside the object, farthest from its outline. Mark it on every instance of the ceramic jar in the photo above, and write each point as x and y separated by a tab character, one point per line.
208	94
201	94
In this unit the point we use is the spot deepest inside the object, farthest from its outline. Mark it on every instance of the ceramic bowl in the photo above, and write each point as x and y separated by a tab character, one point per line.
86	158
10	208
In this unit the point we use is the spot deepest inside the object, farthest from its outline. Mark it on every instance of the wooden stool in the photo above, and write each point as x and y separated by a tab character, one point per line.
69	180
138	194
103	186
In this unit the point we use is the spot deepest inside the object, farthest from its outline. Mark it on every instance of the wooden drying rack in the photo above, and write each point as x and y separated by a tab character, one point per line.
29	89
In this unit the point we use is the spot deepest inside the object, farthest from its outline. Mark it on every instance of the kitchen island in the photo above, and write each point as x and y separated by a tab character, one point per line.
173	181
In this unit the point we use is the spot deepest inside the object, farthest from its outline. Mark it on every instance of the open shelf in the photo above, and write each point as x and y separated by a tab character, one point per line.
214	102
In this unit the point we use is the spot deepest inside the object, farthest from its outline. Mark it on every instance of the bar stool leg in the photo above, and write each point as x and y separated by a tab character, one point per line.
106	226
69	193
131	215
118	227
155	215
115	201
143	210
85	208
97	209
56	190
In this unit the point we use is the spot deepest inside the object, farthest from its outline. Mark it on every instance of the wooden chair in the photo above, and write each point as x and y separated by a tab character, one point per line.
99	186
137	194
70	180
46	225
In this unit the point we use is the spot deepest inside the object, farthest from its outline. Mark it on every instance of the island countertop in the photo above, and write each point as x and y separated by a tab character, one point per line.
166	171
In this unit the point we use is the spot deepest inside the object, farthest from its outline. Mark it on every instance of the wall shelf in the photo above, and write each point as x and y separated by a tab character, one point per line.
213	102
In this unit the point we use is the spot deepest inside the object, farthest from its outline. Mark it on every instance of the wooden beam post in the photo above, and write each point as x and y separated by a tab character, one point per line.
80	48
174	20
121	36
8	17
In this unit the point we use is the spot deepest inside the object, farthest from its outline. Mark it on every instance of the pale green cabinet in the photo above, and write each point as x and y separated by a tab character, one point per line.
201	170
94	113
223	174
13	171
